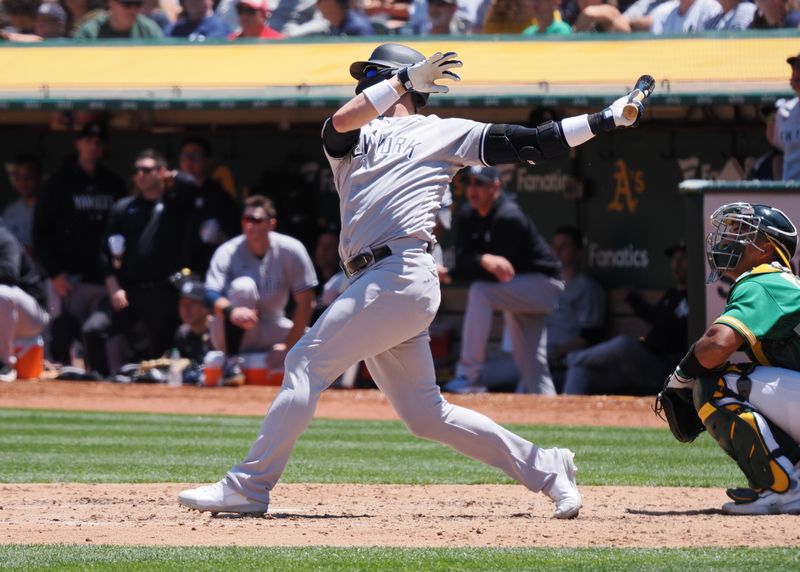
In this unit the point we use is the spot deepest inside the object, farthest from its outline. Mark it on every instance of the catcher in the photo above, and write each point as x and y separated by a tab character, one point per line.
750	410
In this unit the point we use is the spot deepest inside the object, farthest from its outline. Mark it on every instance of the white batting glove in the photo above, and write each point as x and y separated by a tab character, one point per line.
616	110
423	75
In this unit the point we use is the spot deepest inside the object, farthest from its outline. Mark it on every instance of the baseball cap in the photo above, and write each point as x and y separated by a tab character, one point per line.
52	10
256	4
193	289
486	174
680	245
94	130
793	60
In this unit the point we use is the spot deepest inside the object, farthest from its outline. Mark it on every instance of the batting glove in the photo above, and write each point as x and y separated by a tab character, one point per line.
423	75
616	111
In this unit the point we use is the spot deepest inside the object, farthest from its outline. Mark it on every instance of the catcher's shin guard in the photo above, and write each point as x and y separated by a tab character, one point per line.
763	451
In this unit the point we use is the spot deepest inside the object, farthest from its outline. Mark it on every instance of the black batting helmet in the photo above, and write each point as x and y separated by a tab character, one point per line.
384	62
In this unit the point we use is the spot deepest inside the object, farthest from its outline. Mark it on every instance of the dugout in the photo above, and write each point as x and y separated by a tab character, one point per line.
261	104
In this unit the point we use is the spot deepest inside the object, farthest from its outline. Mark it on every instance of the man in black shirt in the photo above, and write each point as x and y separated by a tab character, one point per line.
140	253
639	367
22	298
68	224
513	271
213	215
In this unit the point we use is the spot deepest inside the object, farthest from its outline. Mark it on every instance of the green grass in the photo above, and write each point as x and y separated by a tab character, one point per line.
58	446
57	557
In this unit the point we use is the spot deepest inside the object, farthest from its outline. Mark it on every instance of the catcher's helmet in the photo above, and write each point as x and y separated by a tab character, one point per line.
384	62
738	224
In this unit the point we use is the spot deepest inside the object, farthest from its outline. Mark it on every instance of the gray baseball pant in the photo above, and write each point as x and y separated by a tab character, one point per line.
526	301
20	317
382	317
269	331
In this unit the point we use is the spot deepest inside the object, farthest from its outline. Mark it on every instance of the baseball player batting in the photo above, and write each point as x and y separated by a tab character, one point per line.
391	167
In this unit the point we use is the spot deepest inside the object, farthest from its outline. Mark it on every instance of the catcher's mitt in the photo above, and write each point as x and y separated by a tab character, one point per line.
678	408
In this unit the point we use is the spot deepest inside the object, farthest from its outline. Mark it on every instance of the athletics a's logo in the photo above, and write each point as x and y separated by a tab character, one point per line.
627	183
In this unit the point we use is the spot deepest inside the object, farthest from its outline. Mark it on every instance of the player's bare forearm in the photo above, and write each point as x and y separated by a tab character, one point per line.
304	307
717	346
359	111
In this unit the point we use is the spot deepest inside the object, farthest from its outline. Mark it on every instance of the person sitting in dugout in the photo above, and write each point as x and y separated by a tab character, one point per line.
749	409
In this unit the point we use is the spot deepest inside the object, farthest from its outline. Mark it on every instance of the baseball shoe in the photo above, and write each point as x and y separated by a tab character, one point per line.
462	385
768	502
564	489
232	375
7	373
219	497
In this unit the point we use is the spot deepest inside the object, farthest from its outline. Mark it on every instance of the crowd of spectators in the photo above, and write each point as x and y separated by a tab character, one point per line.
198	20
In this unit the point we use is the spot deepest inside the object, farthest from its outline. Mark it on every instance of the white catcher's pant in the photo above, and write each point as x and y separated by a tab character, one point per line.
775	393
382	317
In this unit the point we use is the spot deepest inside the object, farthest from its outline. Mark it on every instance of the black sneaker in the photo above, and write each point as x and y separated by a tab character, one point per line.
7	373
232	374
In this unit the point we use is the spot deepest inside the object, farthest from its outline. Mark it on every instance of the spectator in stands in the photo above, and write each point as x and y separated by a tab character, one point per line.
21	15
548	19
774	14
22	301
769	166
249	283
683	16
26	177
343	19
121	21
437	17
153	10
639	367
51	21
213	215
253	16
69	221
508	17
297	18
599	16
198	22
387	16
580	318
81	11
513	270
735	15
639	14
140	253
787	125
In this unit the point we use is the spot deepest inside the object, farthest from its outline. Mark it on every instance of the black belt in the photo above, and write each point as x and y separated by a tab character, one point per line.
363	259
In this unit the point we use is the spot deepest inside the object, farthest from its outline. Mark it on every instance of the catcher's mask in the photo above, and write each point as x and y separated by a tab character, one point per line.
736	225
384	62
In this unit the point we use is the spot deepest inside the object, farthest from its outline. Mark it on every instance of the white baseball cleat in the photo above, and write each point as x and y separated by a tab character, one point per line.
564	489
769	502
219	497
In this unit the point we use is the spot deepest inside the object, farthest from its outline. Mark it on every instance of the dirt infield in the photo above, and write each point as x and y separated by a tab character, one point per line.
367	515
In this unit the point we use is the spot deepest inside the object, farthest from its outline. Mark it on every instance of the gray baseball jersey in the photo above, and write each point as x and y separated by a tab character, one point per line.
285	268
393	182
787	137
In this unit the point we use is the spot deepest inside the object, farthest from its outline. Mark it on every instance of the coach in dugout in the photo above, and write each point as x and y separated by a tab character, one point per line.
249	283
68	225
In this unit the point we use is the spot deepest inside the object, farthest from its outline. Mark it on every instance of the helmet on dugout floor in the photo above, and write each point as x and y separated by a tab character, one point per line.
736	225
384	62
